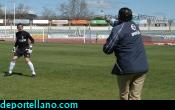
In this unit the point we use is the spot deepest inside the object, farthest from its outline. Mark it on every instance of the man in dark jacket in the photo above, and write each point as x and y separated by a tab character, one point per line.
126	42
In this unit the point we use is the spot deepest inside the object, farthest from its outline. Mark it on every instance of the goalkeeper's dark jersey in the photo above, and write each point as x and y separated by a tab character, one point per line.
22	38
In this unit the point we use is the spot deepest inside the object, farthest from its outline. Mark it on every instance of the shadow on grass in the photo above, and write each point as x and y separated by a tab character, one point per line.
16	73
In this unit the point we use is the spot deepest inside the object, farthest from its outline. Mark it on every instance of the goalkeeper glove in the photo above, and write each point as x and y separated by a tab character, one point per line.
29	51
30	46
14	49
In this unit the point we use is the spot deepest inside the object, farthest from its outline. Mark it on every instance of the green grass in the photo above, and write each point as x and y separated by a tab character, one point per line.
81	72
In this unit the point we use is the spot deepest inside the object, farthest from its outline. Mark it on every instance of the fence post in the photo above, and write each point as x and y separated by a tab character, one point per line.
43	35
84	34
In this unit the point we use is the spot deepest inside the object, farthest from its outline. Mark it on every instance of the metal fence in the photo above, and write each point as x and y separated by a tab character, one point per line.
85	34
80	34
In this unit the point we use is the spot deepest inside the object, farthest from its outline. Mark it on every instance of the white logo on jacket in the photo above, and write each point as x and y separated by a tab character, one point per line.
137	32
133	27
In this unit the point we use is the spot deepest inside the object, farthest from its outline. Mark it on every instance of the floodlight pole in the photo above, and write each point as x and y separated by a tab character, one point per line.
14	5
5	21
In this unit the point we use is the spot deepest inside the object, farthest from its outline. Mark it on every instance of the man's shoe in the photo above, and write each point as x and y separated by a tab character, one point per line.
33	75
8	74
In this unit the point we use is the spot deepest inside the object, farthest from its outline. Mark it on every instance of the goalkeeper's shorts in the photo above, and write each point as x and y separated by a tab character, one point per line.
22	52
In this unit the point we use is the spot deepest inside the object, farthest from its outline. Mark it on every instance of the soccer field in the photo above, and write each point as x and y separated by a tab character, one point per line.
81	72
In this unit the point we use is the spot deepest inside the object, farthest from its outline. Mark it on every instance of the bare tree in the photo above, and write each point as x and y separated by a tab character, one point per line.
22	9
23	12
75	9
1	12
48	14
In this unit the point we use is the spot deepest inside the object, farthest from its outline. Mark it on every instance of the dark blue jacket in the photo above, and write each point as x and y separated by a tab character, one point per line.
126	42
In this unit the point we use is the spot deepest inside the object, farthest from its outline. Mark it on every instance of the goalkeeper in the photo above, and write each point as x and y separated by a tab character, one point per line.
21	48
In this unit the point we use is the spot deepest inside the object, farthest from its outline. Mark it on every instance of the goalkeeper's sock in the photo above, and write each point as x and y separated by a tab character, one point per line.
11	67
31	68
